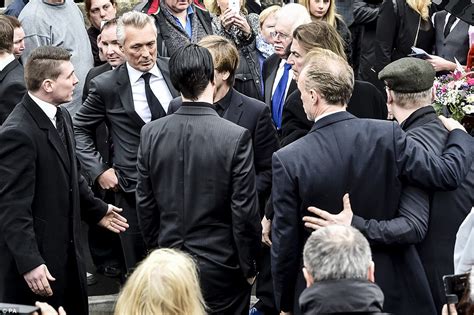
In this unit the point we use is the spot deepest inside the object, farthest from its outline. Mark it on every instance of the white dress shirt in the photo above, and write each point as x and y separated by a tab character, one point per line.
158	86
278	76
49	109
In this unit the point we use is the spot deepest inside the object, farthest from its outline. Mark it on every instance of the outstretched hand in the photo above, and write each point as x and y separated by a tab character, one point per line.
451	124
325	218
113	221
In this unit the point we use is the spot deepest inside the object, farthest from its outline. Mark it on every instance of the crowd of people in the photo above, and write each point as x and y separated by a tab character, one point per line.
219	146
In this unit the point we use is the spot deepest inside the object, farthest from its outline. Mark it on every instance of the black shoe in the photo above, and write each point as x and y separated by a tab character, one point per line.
109	271
91	280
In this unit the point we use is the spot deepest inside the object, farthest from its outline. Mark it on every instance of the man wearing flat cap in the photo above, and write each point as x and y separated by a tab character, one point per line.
409	84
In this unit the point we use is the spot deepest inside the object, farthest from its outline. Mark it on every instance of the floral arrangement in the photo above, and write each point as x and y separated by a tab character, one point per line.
454	92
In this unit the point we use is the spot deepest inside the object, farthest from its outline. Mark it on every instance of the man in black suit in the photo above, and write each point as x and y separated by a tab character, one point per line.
341	154
255	117
276	73
12	85
104	246
196	187
411	109
125	98
42	194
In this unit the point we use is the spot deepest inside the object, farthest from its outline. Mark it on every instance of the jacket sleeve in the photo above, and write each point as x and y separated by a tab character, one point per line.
265	143
147	208
409	227
285	250
364	12
430	171
17	185
246	226
87	119
385	35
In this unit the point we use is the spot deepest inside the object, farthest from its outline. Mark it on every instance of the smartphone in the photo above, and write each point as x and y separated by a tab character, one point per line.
234	5
6	308
419	53
454	287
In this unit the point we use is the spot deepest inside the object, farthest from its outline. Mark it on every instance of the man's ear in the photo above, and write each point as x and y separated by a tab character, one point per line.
371	272
225	75
389	96
309	278
314	97
433	94
47	85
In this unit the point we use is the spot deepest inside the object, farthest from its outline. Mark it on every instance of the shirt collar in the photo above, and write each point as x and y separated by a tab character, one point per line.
327	114
135	75
225	101
48	108
3	63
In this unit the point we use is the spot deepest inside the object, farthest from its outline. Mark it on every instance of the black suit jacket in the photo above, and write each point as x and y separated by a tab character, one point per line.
91	75
365	158
110	100
255	117
41	198
448	208
12	88
196	192
269	71
366	102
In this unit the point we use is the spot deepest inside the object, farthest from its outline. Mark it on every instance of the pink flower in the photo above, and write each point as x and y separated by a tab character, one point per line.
470	81
457	75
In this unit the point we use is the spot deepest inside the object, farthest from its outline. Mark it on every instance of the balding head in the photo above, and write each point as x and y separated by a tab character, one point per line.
288	19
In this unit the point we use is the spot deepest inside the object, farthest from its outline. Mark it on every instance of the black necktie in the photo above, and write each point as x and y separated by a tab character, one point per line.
154	104
449	24
60	126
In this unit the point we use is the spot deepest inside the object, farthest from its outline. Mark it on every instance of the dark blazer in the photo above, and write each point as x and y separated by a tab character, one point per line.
42	196
437	249
91	75
196	192
269	70
365	158
255	117
366	102
12	88
110	100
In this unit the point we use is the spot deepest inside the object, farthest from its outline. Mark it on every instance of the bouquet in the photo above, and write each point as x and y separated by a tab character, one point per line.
454	92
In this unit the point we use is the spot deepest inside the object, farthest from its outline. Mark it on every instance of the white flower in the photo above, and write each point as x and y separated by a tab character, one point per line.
468	109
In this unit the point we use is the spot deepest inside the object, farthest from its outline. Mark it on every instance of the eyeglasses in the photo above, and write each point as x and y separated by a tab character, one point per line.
278	34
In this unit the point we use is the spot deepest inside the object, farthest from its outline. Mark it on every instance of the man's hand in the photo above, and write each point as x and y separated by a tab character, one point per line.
325	218
452	310
266	231
113	221
37	280
47	309
108	180
451	124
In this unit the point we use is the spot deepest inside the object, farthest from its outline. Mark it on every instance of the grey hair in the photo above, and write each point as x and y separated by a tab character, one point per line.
337	252
294	12
412	100
134	19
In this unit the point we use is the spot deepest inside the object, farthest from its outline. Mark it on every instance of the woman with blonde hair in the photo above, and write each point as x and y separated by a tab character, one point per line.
325	10
401	25
165	283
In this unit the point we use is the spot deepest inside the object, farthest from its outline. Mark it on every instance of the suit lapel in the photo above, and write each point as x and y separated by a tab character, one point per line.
125	94
234	112
162	64
273	68
45	124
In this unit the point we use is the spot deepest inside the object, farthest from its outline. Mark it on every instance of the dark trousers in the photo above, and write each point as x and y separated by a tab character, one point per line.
104	245
133	245
264	285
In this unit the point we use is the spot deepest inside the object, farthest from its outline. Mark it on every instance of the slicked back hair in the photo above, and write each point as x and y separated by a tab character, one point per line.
191	70
134	19
337	252
319	34
44	63
330	75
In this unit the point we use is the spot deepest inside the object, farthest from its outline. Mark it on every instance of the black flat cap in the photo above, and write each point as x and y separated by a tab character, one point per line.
408	75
